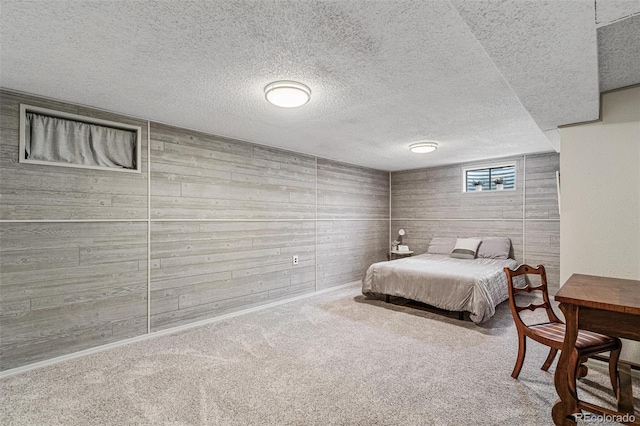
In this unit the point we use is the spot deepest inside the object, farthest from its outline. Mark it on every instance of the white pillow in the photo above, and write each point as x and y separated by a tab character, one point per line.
466	248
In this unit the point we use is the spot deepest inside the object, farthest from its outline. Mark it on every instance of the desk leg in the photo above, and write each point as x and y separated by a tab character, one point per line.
565	370
625	393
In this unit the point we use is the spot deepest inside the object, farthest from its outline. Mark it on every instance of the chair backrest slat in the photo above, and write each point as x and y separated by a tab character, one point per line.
515	309
528	289
531	307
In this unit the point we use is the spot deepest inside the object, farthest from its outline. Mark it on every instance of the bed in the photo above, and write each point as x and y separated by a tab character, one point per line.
475	285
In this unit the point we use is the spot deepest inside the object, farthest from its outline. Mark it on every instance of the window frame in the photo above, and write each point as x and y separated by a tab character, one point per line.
24	108
490	166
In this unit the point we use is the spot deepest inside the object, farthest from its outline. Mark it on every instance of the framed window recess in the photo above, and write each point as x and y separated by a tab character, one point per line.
55	138
487	176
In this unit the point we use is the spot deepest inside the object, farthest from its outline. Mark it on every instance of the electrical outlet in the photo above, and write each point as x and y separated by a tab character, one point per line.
294	260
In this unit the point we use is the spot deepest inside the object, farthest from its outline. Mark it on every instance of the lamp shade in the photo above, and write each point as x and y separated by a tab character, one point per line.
287	94
423	147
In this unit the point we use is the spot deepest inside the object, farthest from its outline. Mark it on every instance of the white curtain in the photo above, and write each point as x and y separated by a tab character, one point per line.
67	141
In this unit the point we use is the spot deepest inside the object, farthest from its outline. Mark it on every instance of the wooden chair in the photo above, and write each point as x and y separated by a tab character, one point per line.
552	333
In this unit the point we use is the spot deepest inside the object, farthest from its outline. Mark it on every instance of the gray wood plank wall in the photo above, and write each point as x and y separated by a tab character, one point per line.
199	176
70	286
226	218
346	248
65	287
32	191
353	221
420	232
202	269
436	193
430	202
542	224
351	192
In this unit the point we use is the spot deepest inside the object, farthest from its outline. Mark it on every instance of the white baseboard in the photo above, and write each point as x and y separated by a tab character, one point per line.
155	334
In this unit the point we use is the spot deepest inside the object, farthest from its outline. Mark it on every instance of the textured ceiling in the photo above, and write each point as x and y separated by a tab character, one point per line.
548	54
482	78
609	11
619	54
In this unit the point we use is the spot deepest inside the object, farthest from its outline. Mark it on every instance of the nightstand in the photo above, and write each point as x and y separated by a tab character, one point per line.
394	254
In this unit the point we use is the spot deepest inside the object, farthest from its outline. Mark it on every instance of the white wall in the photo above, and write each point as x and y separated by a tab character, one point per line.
600	191
600	195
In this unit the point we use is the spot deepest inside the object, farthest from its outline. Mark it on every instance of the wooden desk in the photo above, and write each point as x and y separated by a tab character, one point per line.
605	305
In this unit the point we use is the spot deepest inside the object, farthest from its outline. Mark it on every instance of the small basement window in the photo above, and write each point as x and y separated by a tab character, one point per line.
57	138
494	178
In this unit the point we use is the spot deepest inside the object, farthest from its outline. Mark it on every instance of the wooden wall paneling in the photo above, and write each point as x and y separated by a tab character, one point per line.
542	227
542	239
420	232
542	192
65	287
210	268
38	192
71	286
351	192
199	176
347	248
436	193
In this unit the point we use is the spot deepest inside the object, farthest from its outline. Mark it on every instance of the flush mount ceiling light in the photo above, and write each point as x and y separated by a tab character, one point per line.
423	147
287	94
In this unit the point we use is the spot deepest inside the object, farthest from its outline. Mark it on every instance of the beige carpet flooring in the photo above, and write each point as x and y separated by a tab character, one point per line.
333	359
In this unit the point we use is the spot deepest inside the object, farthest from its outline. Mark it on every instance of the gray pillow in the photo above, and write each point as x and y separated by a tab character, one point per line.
466	248
495	248
440	245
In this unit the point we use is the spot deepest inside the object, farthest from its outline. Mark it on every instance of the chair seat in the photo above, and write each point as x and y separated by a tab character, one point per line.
555	331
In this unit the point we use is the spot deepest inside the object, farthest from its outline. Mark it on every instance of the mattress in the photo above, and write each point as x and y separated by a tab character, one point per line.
475	285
